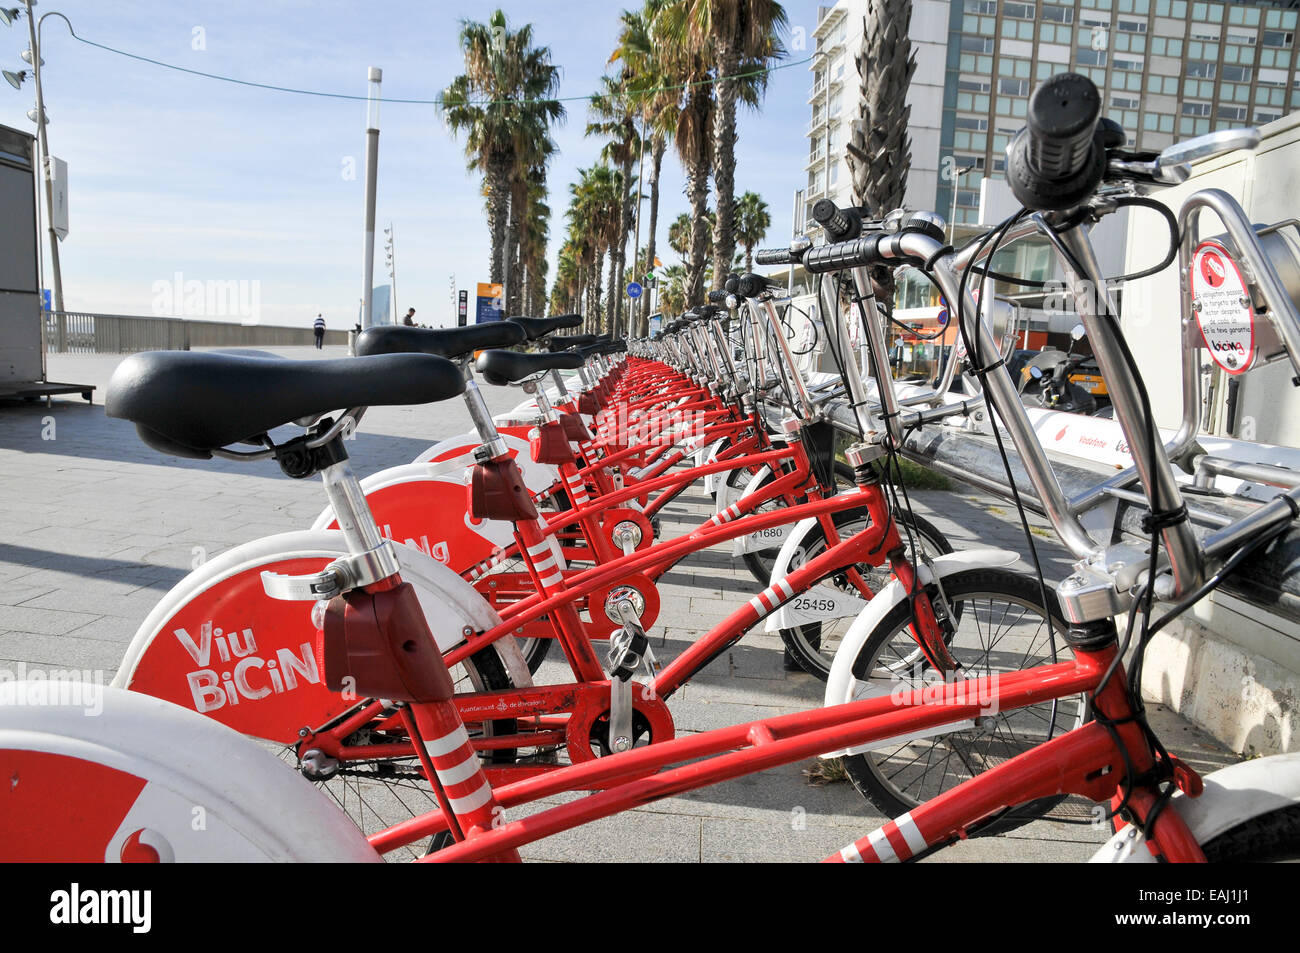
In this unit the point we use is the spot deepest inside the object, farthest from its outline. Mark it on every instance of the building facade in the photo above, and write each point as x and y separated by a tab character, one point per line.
1167	70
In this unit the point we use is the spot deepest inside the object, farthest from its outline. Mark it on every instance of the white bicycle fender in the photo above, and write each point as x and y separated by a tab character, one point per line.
254	806
771	538
841	685
1232	795
727	496
780	619
704	458
449	602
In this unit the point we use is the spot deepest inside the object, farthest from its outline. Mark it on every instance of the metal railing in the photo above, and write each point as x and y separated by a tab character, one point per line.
74	332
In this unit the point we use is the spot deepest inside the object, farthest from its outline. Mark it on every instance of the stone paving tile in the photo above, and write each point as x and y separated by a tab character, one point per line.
122	522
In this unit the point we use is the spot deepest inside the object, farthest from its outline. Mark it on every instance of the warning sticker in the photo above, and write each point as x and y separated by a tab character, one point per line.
1221	305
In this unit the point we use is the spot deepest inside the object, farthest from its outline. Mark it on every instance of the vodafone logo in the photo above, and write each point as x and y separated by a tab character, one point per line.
1061	436
1212	269
147	847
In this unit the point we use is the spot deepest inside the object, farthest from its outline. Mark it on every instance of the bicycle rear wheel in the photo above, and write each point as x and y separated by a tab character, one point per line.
1002	627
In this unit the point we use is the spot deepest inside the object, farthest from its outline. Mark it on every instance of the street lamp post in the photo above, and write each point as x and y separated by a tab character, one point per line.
8	15
956	185
372	175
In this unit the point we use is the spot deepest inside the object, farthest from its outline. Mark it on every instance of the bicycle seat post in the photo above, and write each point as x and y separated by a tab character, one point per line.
493	445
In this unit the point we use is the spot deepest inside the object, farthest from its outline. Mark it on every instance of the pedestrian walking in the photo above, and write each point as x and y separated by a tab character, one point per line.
409	320
319	328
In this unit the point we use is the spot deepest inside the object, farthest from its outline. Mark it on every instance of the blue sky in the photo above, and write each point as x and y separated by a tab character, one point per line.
171	173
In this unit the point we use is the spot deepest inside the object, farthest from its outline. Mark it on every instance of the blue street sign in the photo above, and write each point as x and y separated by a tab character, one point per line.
942	317
634	290
46	301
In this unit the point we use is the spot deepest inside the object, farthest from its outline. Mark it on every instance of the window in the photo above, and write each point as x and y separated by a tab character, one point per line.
970	122
1235	74
1013	87
1018	11
1201	69
986	7
1058	14
1133	26
1262	117
1244	39
976	44
1276	38
966	199
1088	57
1232	113
969	162
1196	109
973	85
1127	64
1123	102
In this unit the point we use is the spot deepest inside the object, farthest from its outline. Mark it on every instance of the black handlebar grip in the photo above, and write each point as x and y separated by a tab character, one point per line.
731	284
843	255
1063	114
840	224
718	297
774	256
751	285
568	321
1057	160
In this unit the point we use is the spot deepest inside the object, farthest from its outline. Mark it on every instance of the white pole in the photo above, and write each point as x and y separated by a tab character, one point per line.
372	174
46	163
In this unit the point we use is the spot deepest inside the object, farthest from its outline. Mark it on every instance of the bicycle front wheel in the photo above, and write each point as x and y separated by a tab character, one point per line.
813	644
1001	626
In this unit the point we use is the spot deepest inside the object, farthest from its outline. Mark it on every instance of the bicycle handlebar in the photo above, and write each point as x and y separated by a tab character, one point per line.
1057	160
718	297
774	256
840	224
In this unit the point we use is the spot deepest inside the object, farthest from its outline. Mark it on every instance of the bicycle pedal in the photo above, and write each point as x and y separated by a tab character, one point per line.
627	649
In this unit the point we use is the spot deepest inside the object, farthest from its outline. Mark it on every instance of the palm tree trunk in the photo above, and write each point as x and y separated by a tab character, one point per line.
611	319
697	190
660	144
625	229
749	258
724	164
498	187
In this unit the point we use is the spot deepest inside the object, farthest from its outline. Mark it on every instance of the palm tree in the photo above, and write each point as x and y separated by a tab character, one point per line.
595	215
742	38
690	71
672	290
680	233
613	117
879	150
752	222
504	103
651	87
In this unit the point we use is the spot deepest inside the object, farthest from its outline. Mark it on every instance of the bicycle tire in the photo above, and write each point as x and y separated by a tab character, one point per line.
886	776
1268	838
379	798
761	563
809	644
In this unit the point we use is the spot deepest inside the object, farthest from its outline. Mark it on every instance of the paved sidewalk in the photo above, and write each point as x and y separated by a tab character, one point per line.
97	527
